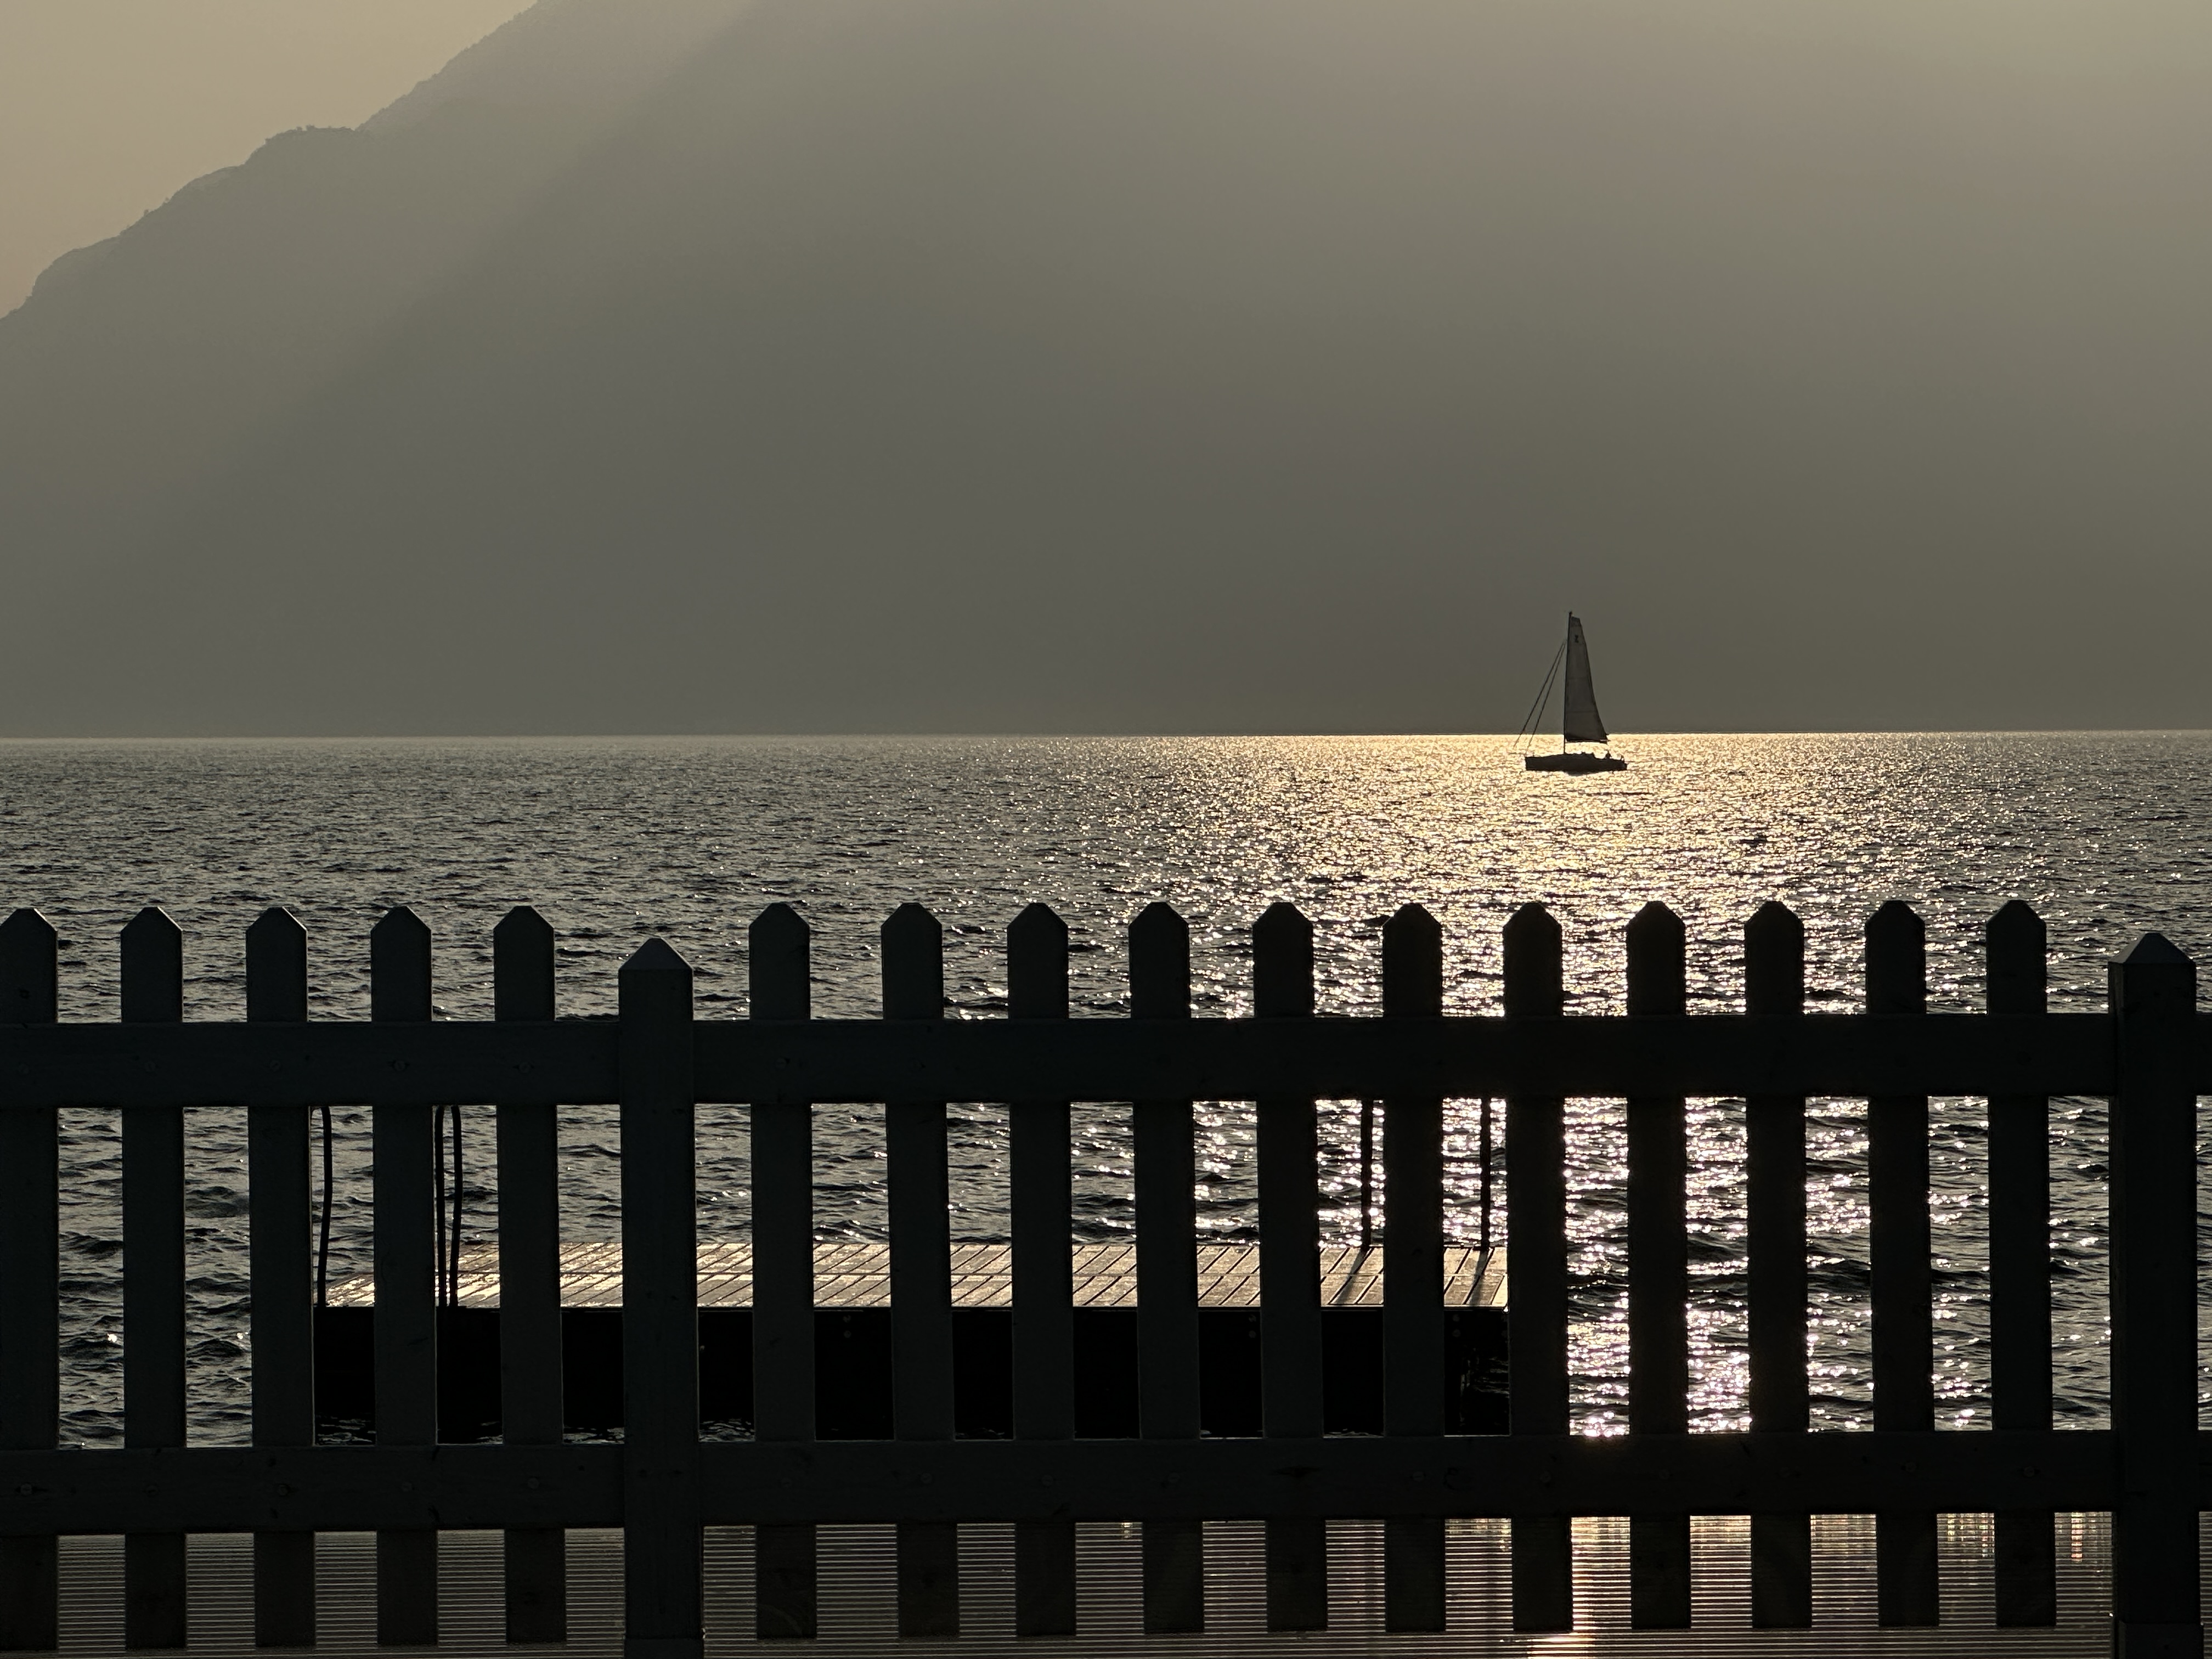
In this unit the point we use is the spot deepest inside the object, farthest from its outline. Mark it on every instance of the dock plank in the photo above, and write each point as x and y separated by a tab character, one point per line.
858	1275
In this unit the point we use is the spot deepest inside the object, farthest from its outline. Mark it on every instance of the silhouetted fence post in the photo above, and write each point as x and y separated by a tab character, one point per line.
2020	1267
530	1359
154	1599
1774	1183
921	1274
1900	1279
1289	1274
780	987
407	1223
1658	1275
1167	1273
280	1271
30	1284
1536	1273
2155	1604
663	1562
1413	1272
1043	1276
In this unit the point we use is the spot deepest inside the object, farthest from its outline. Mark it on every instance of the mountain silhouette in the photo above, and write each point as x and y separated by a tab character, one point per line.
783	365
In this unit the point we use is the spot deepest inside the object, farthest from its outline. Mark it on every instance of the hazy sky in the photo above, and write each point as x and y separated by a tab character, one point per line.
107	106
1123	365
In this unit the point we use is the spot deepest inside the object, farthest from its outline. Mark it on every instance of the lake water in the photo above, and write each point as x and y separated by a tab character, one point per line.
2108	835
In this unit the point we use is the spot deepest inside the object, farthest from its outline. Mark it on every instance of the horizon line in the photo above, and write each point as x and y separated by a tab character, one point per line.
1064	736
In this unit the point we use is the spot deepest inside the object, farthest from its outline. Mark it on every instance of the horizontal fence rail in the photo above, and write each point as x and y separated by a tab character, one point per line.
830	1061
2149	1054
355	1488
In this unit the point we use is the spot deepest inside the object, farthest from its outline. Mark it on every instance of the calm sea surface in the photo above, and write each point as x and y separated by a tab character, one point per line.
2108	835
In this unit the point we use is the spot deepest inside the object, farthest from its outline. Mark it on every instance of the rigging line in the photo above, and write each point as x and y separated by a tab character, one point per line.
1543	697
438	1226
453	1257
1485	1181
1366	1175
1543	694
323	1230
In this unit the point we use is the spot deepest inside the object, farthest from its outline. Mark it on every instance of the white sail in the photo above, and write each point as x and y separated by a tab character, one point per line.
1583	724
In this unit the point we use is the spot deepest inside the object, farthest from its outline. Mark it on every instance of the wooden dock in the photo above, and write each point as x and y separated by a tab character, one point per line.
858	1275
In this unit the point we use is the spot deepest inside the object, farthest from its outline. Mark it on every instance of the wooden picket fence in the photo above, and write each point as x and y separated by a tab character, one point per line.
661	1483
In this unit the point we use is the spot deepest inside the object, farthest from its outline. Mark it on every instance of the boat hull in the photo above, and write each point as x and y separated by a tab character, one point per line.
1574	764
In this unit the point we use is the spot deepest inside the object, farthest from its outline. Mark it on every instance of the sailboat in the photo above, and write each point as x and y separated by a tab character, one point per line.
1580	721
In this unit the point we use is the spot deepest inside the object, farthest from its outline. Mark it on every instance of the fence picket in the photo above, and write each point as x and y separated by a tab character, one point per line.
1658	1274
1900	1280
281	1269
779	987
1536	1273
1043	1276
154	1589
535	1570
1289	1277
2017	949
1167	1273
407	1227
2156	1605
921	1274
664	1561
1413	1272
1774	1183
30	1280
662	1482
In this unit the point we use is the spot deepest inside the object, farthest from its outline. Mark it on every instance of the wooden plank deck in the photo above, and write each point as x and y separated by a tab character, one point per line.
858	1275
859	1597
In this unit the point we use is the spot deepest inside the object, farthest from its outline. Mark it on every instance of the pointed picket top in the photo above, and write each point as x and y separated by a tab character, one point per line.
1040	923
779	965
656	955
1774	961
1159	920
2155	981
1159	963
399	966
913	964
1037	965
1896	920
2017	948
1896	961
27	923
653	993
276	967
400	923
152	968
1413	964
525	926
522	959
778	925
1658	962
1282	963
912	924
2016	919
1774	923
277	922
2156	950
153	922
1534	960
30	970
